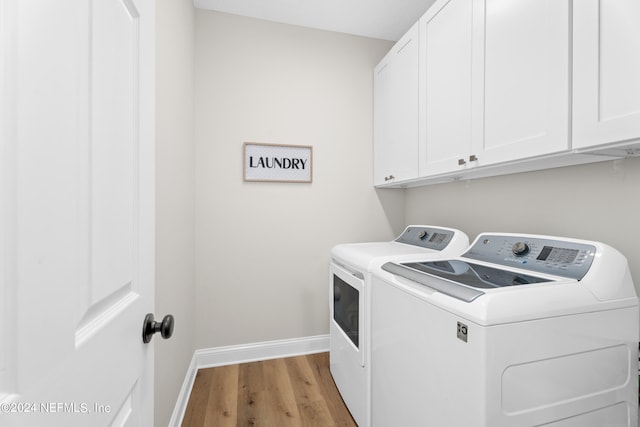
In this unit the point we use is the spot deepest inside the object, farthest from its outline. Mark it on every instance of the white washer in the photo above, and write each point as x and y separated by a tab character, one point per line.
350	301
520	330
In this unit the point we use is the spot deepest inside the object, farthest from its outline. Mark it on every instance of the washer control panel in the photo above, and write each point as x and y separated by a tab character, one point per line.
426	237
558	257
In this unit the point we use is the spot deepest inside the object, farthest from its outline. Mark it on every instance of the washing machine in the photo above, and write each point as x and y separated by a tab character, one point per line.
350	301
520	330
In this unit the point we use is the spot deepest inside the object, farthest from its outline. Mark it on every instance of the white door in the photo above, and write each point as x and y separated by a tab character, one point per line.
606	72
396	112
447	76
526	80
76	212
382	126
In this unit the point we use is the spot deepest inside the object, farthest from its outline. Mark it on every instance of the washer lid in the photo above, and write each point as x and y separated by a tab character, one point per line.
460	279
475	275
446	287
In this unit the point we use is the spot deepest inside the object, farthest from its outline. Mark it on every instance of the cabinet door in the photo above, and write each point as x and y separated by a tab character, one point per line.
526	80
395	113
446	73
606	72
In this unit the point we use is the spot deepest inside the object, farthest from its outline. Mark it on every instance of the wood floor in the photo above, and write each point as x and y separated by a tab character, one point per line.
294	391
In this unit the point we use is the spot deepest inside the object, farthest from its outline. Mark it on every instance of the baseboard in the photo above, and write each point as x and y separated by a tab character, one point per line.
234	354
183	396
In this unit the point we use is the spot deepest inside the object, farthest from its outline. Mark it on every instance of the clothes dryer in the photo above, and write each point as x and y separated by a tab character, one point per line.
350	300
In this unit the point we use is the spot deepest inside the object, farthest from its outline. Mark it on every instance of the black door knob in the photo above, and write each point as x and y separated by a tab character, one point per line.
150	327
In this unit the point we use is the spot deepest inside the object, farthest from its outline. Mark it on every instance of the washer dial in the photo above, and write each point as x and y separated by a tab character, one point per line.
520	249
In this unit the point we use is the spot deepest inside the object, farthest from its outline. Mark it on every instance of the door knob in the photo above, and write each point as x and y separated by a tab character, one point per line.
150	327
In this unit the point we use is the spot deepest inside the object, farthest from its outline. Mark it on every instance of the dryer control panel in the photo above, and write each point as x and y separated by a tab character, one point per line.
426	237
566	258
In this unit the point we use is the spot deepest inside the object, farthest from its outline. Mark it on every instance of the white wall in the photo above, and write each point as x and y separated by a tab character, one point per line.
174	198
262	248
596	202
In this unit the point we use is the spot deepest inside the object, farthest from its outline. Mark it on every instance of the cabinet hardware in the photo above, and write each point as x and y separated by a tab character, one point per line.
461	162
473	158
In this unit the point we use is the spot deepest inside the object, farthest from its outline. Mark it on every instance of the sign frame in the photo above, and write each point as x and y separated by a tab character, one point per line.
265	162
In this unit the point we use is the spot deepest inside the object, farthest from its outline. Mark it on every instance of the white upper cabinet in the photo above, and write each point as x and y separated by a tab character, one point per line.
446	74
526	80
505	86
395	117
606	72
496	79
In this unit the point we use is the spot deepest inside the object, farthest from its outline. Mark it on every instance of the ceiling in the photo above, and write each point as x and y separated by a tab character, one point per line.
380	19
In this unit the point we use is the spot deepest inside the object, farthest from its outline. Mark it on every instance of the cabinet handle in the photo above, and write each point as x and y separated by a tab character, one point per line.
473	158
461	162
389	178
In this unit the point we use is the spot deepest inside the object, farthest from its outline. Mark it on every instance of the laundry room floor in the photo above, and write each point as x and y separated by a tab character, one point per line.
292	391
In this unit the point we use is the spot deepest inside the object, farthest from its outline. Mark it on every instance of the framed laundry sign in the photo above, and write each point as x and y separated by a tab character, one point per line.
278	163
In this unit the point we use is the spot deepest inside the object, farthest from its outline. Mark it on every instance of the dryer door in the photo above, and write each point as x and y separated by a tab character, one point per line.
347	330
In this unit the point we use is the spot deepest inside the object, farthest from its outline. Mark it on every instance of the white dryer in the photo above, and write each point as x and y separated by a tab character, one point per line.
520	330
350	301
